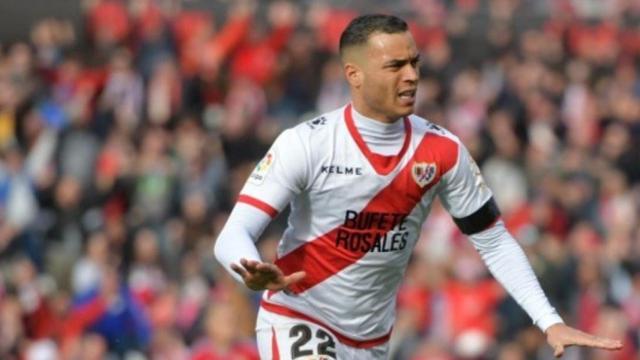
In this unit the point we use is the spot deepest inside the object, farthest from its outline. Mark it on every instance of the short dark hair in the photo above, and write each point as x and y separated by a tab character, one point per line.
360	28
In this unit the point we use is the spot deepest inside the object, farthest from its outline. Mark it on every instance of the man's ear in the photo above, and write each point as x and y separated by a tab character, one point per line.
353	74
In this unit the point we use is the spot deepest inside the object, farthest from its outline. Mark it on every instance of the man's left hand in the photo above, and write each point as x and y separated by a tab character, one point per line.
560	336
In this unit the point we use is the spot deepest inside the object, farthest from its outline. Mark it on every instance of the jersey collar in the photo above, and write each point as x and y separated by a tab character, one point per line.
382	164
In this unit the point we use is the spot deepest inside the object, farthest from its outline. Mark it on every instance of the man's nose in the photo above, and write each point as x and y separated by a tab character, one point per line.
410	73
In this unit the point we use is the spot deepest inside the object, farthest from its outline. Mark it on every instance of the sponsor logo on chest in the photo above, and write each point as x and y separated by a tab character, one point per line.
341	170
372	231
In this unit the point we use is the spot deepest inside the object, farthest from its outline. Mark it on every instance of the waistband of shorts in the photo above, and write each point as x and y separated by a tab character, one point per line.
359	344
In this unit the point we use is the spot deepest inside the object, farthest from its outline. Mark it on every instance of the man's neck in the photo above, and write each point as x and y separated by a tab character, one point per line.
380	137
374	125
365	111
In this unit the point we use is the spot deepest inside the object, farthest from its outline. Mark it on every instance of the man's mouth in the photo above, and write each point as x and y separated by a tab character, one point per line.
407	96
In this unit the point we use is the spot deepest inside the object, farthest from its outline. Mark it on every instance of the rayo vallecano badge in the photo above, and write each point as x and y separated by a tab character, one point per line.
424	173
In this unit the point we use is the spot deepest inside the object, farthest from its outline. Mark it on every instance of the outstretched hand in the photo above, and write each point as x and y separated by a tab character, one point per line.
260	275
560	336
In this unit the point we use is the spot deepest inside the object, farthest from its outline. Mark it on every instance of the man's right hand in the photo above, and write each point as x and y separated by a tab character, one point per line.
260	276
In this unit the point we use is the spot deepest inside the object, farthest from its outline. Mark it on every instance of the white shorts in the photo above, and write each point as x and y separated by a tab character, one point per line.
288	338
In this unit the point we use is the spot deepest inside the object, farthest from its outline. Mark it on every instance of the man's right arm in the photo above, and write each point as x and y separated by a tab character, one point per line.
235	249
275	181
238	236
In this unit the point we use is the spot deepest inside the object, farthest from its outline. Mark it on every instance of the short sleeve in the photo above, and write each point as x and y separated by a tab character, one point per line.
279	176
466	196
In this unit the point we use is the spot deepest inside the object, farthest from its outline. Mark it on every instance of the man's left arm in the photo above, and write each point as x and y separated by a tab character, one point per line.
509	265
470	202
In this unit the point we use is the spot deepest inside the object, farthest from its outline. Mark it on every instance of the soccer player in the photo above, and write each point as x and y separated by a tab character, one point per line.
360	181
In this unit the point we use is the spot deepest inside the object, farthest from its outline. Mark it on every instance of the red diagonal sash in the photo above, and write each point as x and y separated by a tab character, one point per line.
320	258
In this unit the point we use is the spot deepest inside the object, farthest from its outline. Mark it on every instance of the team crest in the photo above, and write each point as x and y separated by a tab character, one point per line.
262	169
424	173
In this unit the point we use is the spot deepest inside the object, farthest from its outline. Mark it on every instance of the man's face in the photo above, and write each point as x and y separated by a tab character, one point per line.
388	66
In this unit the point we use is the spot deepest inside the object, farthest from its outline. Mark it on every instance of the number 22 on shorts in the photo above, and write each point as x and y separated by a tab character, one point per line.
309	345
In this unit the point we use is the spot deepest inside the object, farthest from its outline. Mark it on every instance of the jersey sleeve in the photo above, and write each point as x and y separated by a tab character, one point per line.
238	236
467	197
509	265
279	176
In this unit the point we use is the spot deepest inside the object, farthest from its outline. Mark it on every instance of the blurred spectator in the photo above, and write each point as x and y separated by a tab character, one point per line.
108	25
51	37
119	317
164	97
146	278
92	346
33	292
12	330
154	178
122	96
470	304
221	342
18	205
89	269
168	345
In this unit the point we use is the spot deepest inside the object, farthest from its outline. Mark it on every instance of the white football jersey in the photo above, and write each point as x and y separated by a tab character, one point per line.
356	216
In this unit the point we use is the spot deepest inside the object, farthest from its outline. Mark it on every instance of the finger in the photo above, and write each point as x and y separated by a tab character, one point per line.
240	271
250	265
558	351
602	343
269	272
268	268
294	278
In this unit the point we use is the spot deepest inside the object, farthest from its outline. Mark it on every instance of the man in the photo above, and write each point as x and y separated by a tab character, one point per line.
360	181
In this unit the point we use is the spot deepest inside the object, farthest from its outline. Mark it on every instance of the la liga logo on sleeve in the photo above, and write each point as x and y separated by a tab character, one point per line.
262	169
424	173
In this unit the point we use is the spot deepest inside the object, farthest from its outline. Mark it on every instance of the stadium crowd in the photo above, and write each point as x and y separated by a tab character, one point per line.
124	143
